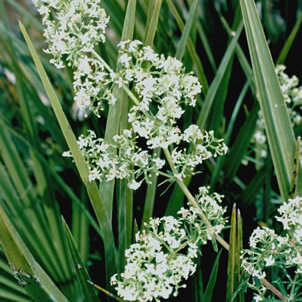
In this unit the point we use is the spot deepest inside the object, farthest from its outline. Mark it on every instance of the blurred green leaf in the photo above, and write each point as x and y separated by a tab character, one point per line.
186	31
289	42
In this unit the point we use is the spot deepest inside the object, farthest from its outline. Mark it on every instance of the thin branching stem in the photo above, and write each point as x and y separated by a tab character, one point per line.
110	70
193	202
185	189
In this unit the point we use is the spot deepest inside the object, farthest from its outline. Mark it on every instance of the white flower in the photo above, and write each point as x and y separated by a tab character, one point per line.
258	298
134	185
269	261
161	259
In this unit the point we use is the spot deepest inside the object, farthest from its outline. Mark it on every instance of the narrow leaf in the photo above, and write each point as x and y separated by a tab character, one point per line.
212	280
152	22
191	49
81	271
289	42
231	277
277	123
92	189
208	102
35	281
186	32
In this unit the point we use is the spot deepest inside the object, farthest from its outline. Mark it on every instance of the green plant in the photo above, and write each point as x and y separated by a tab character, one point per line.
148	114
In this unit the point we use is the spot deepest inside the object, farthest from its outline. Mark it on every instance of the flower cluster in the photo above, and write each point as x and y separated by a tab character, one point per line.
162	89
124	159
292	94
203	146
106	163
165	252
283	252
73	29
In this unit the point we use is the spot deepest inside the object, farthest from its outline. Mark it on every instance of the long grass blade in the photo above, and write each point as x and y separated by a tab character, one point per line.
92	189
232	278
208	102
191	49
212	280
180	51
239	248
239	147
277	124
118	113
289	42
151	27
81	271
220	161
35	281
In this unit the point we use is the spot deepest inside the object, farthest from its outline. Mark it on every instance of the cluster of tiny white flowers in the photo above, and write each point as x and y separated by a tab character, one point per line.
122	159
73	29
165	252
268	249
292	94
203	146
210	204
162	89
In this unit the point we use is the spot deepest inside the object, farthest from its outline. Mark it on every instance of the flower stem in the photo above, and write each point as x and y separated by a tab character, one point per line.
193	202
185	189
109	69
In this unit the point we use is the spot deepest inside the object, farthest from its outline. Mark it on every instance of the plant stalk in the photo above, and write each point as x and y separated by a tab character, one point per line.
193	202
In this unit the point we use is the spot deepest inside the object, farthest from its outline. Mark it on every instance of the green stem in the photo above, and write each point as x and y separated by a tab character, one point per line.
193	202
186	191
291	295
126	89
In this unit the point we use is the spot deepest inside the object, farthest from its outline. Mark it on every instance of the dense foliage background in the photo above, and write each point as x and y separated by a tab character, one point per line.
38	186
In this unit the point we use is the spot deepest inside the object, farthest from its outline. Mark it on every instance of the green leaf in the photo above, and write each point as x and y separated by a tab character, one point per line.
277	123
239	248
81	271
212	280
234	261
206	45
152	21
289	42
92	189
32	225
35	281
210	97
125	219
231	272
186	31
242	58
150	194
70	193
249	194
191	49
117	121
227	137
241	144
80	227
118	113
